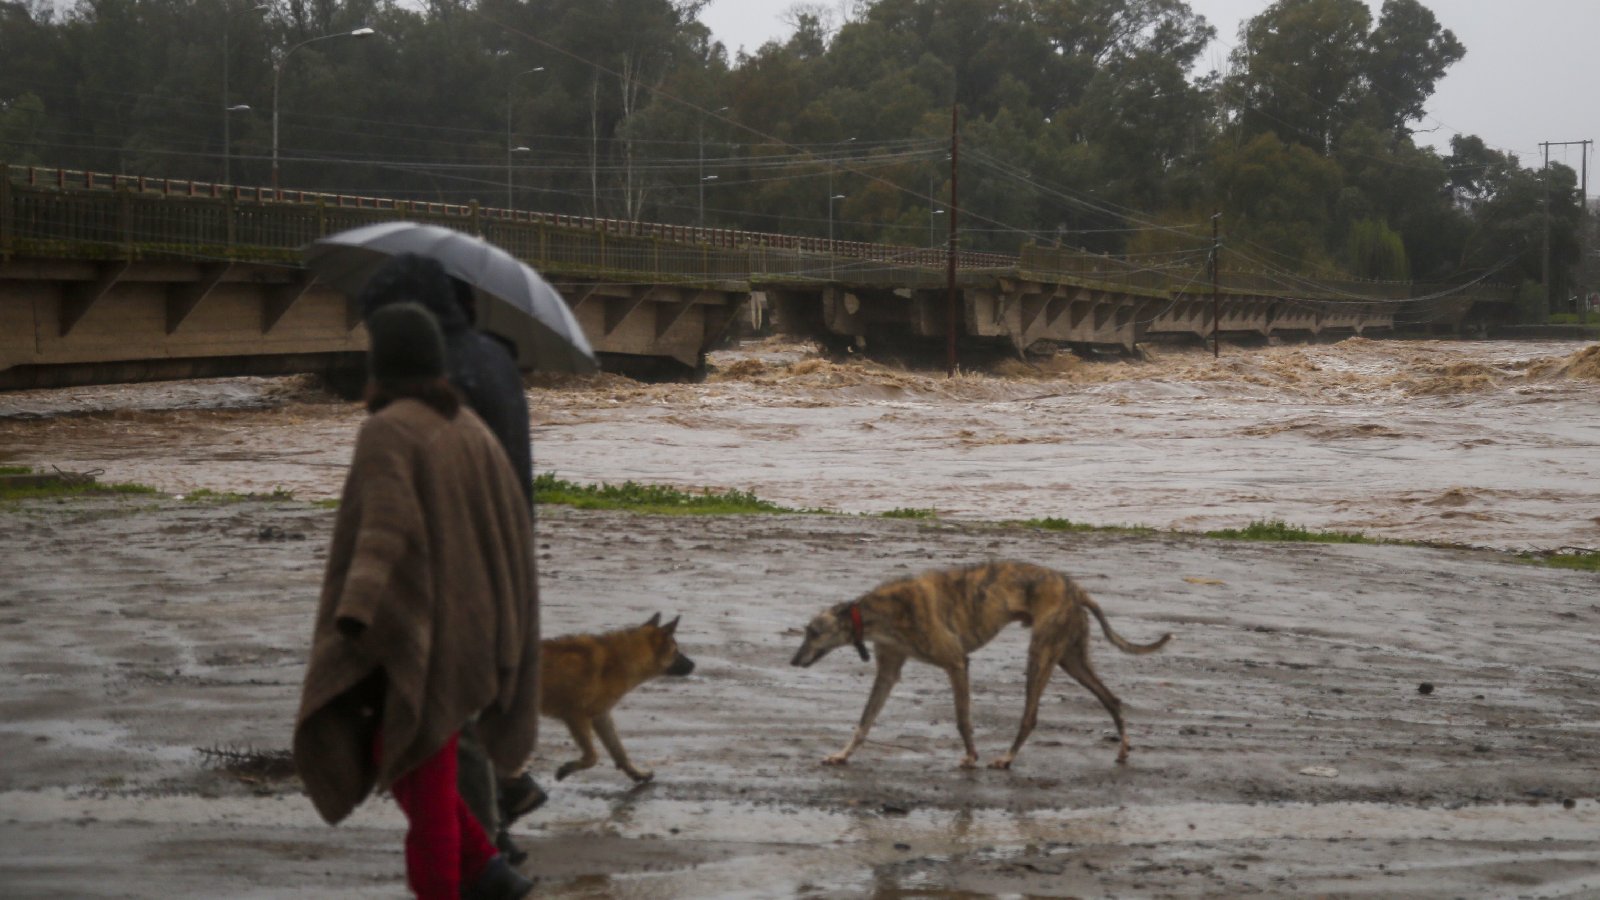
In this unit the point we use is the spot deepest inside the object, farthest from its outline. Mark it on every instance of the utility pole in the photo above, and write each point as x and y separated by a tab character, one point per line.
950	255
227	137
1544	175
1216	318
1583	239
1583	226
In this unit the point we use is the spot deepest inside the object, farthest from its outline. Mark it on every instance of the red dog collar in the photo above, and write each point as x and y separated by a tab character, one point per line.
858	632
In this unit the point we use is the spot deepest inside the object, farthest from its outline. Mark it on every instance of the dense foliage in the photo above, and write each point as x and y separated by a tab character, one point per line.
1082	121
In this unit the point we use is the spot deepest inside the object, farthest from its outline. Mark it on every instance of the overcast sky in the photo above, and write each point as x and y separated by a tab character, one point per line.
1531	73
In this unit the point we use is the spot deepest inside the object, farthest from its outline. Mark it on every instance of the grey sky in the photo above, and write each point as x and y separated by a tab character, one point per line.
1531	72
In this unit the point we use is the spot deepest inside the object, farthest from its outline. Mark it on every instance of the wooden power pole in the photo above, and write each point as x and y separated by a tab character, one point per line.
951	309
1216	315
1583	227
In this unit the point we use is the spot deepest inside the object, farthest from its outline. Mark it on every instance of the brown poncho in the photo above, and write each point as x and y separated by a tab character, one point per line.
432	552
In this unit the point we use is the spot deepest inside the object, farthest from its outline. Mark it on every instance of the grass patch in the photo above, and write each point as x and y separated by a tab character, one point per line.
1588	561
650	498
1278	531
909	512
1051	523
206	494
67	489
16	470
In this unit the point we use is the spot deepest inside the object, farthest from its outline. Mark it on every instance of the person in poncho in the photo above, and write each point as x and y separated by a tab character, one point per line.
484	370
426	621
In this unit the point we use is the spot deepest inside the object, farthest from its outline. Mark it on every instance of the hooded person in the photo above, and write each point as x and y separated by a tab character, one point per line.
426	620
477	364
485	372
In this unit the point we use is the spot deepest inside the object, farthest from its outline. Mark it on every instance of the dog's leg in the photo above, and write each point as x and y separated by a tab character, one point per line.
585	739
963	692
889	664
1076	664
1041	661
608	737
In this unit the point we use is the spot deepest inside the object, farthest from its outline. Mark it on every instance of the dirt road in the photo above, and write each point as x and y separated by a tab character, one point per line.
1282	742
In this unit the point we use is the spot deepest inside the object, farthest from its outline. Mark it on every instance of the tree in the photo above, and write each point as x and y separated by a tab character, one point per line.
1299	69
1277	198
1408	54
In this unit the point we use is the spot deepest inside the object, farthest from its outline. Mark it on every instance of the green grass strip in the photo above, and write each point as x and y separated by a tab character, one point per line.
1279	531
651	498
910	512
1583	562
1051	523
46	491
206	494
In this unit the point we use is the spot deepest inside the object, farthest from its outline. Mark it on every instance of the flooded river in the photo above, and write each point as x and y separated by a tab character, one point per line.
1485	443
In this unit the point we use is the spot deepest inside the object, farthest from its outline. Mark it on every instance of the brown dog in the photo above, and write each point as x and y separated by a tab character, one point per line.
939	617
583	676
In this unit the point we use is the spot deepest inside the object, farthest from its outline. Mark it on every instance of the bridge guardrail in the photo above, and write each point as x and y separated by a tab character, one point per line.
118	216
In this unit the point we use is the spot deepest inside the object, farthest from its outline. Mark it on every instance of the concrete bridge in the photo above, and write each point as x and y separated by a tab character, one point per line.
118	278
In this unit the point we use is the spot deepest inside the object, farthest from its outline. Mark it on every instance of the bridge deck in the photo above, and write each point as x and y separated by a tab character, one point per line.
108	278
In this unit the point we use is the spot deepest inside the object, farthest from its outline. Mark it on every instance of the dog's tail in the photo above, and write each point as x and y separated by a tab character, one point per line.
1117	639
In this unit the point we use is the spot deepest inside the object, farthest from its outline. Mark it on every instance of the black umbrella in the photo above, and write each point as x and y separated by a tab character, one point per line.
513	301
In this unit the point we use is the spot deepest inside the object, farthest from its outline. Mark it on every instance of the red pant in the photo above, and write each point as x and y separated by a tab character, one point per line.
445	845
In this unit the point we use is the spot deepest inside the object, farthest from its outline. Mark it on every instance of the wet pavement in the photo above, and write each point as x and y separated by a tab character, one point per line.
1281	744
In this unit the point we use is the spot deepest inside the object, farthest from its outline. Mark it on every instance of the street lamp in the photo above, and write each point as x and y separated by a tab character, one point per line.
227	38
277	72
933	241
703	177
510	149
831	198
703	180
227	140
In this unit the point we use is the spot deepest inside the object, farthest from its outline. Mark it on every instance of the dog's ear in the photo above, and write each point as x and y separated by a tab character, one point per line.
654	620
672	626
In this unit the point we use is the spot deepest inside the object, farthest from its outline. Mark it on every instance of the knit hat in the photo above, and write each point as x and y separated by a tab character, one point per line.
405	344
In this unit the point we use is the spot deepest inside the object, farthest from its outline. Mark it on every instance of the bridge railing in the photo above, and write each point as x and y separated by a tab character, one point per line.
92	215
108	214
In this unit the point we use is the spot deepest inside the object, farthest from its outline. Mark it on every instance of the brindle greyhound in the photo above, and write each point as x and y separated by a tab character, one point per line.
941	616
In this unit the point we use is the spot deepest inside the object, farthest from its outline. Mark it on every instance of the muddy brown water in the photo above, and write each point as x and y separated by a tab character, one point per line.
1281	744
1487	444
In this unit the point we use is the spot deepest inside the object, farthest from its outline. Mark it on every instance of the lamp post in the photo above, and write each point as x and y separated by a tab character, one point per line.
227	140
227	41
509	148
703	177
933	241
831	198
277	73
703	180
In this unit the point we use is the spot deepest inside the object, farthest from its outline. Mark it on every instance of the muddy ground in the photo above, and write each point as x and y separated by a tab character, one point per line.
1329	719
